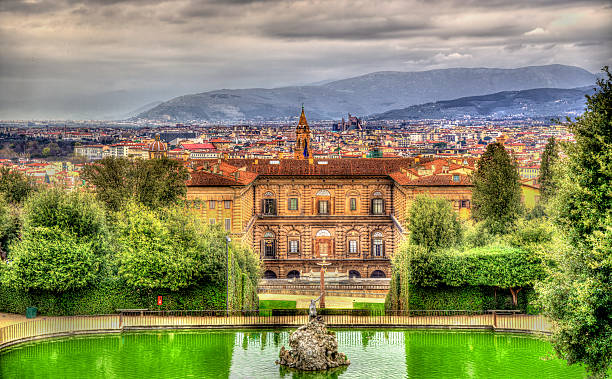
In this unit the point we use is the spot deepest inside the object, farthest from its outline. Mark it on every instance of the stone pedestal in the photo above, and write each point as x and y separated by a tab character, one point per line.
313	348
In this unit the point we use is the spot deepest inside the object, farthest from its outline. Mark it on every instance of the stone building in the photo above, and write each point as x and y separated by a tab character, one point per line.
293	210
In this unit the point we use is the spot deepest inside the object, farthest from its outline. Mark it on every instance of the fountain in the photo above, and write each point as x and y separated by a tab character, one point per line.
313	347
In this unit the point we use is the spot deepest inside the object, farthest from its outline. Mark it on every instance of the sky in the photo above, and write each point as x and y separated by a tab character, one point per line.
110	56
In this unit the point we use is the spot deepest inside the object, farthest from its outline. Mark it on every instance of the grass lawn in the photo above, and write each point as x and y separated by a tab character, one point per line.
303	301
277	304
379	308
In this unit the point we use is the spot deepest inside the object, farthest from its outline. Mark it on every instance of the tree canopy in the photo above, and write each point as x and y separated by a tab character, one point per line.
14	186
578	292
168	249
155	183
433	224
496	195
64	238
550	157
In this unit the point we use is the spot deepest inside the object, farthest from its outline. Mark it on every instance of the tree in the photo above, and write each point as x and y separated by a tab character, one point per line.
9	226
577	295
63	244
50	259
168	249
433	224
14	185
496	194
155	183
549	158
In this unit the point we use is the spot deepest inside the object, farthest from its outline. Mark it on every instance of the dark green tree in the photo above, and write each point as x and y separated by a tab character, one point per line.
496	194
9	226
433	224
155	183
549	159
14	185
578	293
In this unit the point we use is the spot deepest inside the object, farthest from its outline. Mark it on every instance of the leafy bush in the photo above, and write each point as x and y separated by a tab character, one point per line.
52	260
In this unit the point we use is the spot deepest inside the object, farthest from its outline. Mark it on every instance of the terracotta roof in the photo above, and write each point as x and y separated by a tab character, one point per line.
198	146
332	166
207	178
440	180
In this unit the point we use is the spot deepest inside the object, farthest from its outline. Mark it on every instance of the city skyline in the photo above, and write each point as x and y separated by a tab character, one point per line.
61	52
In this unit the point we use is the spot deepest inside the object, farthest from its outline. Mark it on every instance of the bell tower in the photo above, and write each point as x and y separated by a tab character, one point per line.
302	148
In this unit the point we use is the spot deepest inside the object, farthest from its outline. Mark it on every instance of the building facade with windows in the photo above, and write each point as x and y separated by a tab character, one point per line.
294	211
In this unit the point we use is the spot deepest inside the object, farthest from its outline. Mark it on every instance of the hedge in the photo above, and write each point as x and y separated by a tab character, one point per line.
107	297
471	298
463	279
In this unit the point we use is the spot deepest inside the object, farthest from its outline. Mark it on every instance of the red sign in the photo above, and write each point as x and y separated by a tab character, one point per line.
159	300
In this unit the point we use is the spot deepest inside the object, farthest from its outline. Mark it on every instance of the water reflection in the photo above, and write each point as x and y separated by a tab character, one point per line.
251	354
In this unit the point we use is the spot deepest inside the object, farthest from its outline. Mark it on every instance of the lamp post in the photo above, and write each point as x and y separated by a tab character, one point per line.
323	264
227	273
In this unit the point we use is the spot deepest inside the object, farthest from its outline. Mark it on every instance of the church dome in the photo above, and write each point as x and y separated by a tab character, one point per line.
157	146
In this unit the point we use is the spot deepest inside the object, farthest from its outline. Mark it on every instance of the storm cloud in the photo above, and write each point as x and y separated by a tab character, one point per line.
56	51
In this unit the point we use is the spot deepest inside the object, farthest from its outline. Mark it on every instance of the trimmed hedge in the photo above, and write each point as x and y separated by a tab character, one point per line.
107	298
471	298
464	280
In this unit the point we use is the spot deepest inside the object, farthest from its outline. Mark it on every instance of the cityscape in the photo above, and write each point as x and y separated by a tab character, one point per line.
304	188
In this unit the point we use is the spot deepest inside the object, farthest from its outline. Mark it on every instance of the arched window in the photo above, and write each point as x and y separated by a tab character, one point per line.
354	274
323	233
268	204
377	274
268	245
378	203
323	193
293	274
269	274
378	246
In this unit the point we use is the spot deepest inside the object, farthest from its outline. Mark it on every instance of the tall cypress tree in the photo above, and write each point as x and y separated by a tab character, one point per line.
549	158
497	190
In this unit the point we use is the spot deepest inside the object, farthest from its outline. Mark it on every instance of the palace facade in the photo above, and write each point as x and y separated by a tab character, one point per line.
292	211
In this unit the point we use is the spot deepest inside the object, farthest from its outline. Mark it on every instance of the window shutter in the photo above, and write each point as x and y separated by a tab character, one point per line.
263	206
372	206
263	248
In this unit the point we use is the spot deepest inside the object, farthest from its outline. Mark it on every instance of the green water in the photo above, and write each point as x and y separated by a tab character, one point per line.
251	354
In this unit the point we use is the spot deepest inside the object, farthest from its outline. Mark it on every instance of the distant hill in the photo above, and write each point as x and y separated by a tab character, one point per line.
539	102
362	95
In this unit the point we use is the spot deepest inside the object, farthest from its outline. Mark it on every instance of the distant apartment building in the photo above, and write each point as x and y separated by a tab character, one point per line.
91	152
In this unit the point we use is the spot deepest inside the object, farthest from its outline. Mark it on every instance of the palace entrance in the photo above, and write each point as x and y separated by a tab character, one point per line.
324	244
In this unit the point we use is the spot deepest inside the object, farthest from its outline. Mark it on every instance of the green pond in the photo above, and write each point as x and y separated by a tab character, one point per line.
251	354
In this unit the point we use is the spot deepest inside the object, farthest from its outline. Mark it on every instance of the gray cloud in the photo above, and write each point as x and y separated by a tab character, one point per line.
156	49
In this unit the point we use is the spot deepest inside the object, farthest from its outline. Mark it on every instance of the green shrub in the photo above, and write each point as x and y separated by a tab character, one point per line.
107	297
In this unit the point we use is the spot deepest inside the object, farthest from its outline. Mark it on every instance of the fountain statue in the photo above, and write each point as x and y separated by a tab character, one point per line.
313	347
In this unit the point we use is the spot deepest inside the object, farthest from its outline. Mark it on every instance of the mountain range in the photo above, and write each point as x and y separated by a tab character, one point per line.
385	91
534	103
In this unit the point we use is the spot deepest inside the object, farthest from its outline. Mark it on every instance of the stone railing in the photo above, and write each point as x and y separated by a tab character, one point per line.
338	318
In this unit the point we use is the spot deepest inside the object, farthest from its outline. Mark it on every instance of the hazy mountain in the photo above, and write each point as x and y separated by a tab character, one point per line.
539	102
367	94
